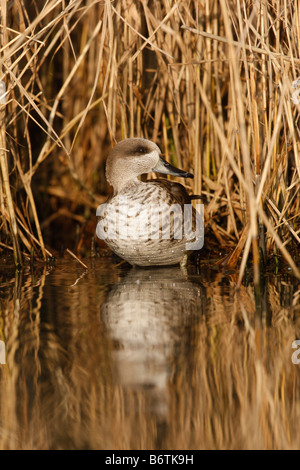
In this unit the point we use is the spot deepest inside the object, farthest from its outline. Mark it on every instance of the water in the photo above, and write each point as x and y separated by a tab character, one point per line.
121	358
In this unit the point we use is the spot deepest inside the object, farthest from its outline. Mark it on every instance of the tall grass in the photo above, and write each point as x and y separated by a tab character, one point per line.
210	82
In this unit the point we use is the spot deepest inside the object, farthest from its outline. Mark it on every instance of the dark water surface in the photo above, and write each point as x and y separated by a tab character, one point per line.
121	358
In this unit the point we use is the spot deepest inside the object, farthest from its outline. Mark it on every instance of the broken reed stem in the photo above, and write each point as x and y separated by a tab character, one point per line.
77	259
238	44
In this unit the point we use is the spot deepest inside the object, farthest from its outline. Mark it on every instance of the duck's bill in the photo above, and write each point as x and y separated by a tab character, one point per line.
166	168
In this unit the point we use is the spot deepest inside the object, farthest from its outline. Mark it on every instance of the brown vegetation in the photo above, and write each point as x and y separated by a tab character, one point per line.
210	82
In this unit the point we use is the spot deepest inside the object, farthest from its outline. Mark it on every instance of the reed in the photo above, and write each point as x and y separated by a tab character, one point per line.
213	83
225	374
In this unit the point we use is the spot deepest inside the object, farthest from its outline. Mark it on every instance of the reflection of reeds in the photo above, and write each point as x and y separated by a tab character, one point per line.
230	383
210	82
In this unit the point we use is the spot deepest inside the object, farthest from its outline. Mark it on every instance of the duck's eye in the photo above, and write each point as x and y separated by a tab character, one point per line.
141	150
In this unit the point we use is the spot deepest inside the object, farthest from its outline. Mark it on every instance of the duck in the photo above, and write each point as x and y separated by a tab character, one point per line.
144	222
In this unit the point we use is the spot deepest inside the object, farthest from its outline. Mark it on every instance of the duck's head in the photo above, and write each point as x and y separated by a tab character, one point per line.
133	157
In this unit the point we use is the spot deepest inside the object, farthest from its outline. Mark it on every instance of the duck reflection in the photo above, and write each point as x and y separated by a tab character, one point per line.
150	315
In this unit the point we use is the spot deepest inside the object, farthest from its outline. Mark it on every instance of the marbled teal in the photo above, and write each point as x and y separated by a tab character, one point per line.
144	222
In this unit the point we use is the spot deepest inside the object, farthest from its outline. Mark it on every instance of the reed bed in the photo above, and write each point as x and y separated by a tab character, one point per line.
215	84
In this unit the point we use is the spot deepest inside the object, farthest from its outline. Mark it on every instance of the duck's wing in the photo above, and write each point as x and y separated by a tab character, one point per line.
177	190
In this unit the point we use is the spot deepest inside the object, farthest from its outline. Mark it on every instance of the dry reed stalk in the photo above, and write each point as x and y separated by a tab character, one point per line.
5	186
77	259
209	81
6	197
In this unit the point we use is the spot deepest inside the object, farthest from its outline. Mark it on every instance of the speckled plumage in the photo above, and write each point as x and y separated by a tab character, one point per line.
136	222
